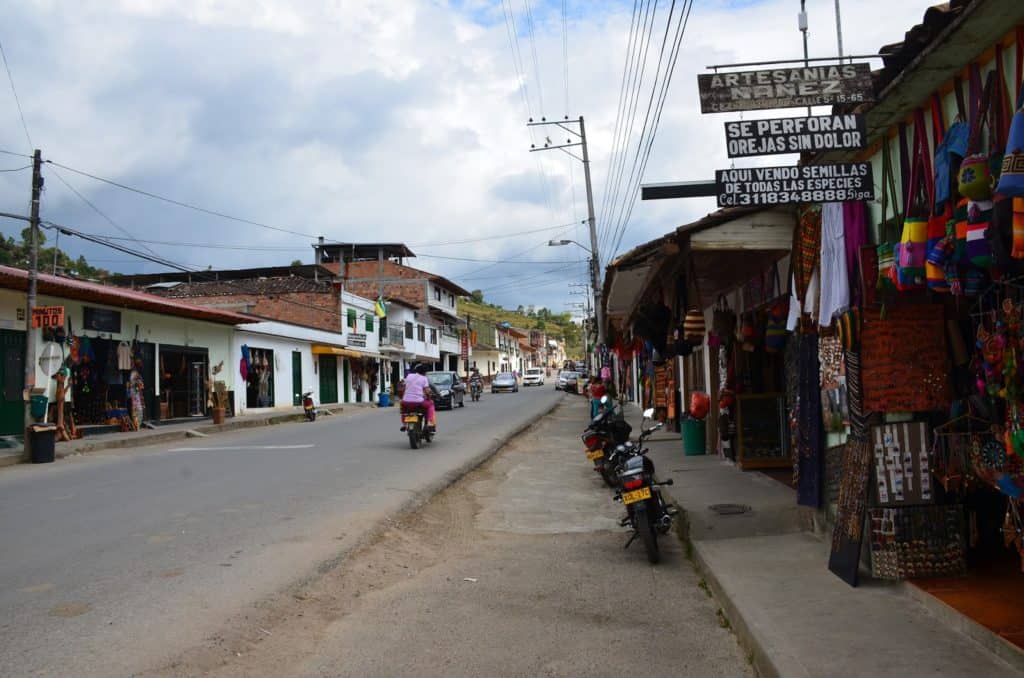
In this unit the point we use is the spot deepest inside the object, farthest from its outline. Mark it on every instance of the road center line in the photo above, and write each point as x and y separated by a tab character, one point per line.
241	447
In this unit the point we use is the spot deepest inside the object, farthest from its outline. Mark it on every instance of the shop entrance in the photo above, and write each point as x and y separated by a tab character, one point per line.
259	383
328	379
183	371
296	378
347	380
12	376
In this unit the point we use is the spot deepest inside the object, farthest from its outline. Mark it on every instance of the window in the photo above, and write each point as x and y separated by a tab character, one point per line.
437	293
421	333
369	322
433	336
451	299
408	330
351	318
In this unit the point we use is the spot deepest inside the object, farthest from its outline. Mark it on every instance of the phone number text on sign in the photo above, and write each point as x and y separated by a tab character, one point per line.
840	182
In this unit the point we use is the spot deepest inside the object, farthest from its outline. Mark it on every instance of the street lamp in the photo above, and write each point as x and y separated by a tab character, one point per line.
559	243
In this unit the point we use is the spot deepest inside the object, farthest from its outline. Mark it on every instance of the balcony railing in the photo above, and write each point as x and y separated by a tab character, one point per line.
395	336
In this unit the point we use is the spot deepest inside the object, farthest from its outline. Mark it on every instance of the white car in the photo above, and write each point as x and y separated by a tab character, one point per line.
534	377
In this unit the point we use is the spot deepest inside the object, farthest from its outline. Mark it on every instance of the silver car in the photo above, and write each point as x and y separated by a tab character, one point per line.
505	381
566	381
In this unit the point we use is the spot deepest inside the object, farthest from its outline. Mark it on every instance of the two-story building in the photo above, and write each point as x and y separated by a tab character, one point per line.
408	337
378	271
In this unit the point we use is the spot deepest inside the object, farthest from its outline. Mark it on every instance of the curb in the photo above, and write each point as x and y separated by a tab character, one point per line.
747	640
420	498
178	434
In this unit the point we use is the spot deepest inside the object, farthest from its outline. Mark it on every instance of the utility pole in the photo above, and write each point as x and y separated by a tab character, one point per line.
595	257
839	31
30	301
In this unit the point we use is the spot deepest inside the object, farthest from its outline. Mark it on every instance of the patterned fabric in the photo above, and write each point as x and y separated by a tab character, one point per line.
810	432
806	249
855	225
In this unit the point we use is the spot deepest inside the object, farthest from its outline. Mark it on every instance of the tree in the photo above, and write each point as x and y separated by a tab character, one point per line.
296	262
477	296
520	310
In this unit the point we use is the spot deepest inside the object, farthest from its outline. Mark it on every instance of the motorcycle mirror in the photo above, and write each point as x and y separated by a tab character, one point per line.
604	400
649	413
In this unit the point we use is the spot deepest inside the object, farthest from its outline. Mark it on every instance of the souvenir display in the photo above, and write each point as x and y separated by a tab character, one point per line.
917	541
902	466
906	367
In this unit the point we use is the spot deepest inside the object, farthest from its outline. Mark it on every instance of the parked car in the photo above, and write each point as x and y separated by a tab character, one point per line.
451	388
505	381
534	376
566	382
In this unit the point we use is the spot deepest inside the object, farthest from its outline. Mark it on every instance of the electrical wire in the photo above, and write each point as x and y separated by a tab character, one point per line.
15	153
647	119
496	261
536	60
16	169
180	203
14	91
657	120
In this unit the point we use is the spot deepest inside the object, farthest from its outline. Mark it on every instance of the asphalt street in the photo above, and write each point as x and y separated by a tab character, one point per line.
516	570
113	563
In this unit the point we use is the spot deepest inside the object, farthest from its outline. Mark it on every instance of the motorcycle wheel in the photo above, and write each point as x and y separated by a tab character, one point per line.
312	415
414	438
649	537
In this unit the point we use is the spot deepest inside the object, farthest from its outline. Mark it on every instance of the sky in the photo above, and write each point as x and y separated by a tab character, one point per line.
383	121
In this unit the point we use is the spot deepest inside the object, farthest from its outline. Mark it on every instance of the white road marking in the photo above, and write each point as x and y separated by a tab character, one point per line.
241	447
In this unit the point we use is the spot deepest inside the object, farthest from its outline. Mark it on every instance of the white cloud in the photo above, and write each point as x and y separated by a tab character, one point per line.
363	121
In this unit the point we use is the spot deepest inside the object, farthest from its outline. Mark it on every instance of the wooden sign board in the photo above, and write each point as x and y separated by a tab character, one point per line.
746	138
47	316
837	182
793	87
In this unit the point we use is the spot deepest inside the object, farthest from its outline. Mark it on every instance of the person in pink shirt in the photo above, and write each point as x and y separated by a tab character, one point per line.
419	392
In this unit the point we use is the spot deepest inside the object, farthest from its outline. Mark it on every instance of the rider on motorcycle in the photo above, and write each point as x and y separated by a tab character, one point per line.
420	392
476	381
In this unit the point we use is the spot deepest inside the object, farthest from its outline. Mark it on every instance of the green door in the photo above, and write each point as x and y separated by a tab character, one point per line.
328	379
12	378
344	367
296	378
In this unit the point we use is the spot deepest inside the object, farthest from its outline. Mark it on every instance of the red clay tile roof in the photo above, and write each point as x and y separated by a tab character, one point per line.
81	290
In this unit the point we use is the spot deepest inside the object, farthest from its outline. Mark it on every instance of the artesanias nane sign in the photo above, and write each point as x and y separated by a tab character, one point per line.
785	88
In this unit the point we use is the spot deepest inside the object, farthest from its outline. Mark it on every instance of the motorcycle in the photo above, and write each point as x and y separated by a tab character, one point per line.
646	510
601	438
414	418
475	389
308	406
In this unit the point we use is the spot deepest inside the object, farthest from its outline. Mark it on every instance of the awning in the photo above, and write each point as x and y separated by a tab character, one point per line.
322	349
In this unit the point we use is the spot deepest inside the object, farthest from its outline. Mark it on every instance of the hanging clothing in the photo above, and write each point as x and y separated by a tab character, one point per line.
806	249
855	228
124	356
834	279
136	388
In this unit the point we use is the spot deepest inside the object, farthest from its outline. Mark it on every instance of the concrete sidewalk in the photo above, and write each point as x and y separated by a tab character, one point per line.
176	431
769	572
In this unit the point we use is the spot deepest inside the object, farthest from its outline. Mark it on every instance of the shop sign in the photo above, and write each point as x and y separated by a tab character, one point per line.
47	316
101	319
758	186
785	88
355	339
464	345
745	138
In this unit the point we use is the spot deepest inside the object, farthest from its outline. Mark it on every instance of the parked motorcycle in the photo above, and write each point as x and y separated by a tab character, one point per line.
308	406
414	417
646	510
606	431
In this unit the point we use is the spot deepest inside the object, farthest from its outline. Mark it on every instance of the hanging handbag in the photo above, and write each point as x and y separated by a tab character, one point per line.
918	201
1017	251
693	326
979	219
848	326
775	333
1011	178
885	250
974	180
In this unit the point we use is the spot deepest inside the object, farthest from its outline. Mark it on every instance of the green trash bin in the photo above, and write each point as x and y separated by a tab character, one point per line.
694	437
38	406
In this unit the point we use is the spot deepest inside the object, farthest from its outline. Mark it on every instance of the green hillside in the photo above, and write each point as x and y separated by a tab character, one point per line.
555	325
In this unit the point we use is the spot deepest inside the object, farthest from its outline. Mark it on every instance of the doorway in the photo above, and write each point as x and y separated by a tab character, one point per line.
12	376
183	371
346	376
328	379
296	378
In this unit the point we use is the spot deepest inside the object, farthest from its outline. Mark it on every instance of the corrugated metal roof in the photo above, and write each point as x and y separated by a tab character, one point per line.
221	288
81	290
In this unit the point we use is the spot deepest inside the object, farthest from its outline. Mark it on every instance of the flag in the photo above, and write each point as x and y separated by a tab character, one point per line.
379	308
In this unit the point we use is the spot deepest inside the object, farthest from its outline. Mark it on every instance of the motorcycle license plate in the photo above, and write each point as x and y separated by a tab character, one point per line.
636	495
410	419
595	455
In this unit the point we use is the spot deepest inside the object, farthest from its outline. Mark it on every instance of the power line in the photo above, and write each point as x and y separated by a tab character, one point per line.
16	169
496	261
657	120
21	113
180	203
492	237
647	118
536	60
15	153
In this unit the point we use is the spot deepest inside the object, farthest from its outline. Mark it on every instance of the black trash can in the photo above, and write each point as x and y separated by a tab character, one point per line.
42	438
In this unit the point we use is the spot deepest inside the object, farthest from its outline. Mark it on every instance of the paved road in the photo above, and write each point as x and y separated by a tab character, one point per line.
113	563
517	570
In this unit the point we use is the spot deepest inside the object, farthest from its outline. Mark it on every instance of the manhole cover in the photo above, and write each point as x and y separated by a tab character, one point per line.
729	509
